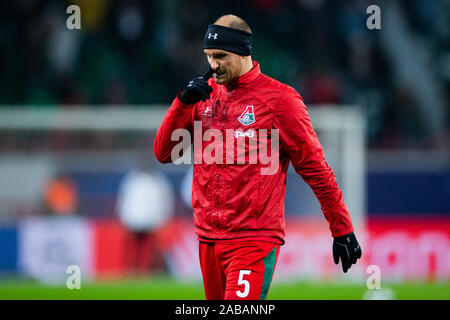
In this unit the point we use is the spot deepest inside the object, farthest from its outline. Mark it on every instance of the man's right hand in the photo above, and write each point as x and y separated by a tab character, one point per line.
197	89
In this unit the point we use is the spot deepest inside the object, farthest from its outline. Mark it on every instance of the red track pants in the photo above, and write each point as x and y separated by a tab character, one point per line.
237	270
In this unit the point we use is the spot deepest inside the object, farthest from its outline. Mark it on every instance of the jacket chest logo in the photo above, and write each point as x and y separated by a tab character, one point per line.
248	116
208	112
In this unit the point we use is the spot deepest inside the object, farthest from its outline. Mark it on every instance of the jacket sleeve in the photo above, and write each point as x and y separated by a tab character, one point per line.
298	139
179	116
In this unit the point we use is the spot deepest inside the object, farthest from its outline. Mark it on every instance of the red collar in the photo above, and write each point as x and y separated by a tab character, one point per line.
246	78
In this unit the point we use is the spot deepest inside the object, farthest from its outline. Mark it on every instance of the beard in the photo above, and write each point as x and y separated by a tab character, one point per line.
220	77
223	77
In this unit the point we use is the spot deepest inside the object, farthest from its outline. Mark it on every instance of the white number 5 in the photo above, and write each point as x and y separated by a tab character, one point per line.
244	282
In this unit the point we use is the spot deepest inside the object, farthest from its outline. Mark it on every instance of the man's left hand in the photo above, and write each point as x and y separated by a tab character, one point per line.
347	249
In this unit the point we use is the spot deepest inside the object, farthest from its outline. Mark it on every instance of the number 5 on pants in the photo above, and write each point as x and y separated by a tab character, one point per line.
241	270
246	284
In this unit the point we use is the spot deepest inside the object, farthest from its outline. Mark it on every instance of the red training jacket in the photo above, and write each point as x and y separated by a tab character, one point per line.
234	200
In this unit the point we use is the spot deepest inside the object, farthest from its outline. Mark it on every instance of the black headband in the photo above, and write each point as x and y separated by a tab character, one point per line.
229	39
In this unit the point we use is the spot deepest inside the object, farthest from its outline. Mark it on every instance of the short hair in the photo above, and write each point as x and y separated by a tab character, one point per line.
232	21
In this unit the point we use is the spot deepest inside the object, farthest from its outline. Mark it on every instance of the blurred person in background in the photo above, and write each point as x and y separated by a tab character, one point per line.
61	196
238	211
145	203
186	187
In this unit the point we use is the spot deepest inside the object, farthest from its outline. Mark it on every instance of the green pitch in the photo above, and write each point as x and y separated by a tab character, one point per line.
165	288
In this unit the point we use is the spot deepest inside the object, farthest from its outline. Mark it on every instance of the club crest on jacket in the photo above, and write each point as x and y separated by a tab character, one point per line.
248	116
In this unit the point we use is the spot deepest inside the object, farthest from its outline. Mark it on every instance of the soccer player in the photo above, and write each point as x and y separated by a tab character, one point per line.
239	209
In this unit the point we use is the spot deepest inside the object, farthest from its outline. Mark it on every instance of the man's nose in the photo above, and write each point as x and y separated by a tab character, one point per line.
214	65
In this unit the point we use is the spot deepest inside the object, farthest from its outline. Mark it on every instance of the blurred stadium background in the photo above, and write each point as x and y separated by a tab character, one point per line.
79	110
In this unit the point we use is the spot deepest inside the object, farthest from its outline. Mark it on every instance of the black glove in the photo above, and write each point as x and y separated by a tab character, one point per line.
197	89
347	248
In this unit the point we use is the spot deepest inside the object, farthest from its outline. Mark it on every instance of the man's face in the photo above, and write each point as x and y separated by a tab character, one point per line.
226	65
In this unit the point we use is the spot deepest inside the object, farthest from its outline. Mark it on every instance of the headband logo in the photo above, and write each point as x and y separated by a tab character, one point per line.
210	35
